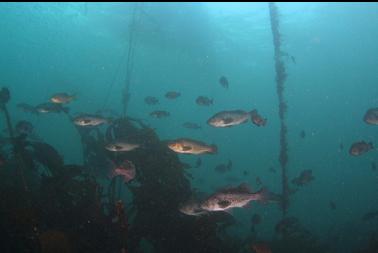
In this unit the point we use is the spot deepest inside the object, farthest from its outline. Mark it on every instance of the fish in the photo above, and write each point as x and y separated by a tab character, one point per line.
332	205
90	120
198	163
256	219
192	207
371	116
204	101
245	173
302	134
151	100
370	215
360	148
228	118
191	125
222	168
257	119
27	108
160	114
172	94
223	82
229	198
190	146
121	146
51	107
126	170
62	98
304	178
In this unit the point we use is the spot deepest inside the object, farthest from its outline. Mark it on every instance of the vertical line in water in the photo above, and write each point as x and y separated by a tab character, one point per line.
280	81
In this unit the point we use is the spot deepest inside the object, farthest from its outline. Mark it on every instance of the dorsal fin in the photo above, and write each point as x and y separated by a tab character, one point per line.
244	187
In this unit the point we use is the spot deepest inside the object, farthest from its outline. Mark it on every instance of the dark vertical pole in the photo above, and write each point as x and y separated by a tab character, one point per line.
280	81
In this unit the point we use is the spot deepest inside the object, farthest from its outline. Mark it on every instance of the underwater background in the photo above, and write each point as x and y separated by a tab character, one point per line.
330	51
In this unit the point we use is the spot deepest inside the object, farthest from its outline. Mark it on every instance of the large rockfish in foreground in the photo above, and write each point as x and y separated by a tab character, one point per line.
234	197
229	118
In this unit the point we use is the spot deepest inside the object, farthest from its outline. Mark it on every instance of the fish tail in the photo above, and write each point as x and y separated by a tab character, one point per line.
213	149
265	196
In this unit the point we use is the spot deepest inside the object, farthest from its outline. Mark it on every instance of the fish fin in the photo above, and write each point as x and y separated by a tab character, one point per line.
266	196
214	149
244	187
248	205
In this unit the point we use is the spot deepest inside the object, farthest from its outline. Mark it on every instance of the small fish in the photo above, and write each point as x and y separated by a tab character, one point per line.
192	207
191	125
224	82
245	173
27	108
233	197
304	178
261	247
228	118
126	169
256	219
62	98
359	148
332	205
302	134
51	107
222	168
90	120
151	100
373	166
198	163
172	94
190	146
159	114
120	146
257	119
204	101
371	116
